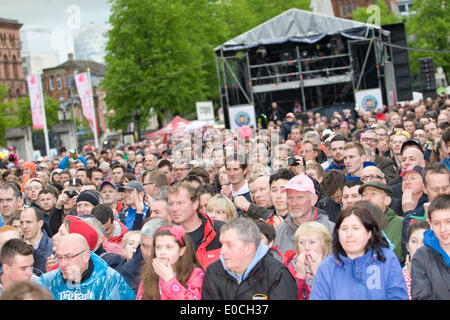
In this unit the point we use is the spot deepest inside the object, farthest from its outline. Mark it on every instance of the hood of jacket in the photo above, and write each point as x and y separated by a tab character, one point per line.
259	254
430	239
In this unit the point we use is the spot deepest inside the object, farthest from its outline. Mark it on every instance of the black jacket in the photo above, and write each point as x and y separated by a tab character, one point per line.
269	277
386	165
331	208
131	269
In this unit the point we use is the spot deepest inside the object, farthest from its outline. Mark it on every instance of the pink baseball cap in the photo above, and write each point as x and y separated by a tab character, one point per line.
246	132
412	168
301	183
290	114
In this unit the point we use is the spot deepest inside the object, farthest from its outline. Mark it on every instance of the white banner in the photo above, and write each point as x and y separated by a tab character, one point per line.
205	111
370	99
85	94
242	115
36	101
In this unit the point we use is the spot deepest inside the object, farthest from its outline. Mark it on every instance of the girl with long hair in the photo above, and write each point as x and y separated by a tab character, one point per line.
172	272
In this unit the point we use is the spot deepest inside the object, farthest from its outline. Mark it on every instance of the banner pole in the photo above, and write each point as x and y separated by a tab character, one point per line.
47	145
93	109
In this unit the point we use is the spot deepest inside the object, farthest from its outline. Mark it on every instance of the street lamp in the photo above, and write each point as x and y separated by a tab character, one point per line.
63	113
137	117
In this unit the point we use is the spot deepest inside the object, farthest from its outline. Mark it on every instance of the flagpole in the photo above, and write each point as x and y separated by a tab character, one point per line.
47	145
93	109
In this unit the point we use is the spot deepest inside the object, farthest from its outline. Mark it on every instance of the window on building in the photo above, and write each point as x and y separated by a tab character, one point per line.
349	8
343	9
15	71
52	83
3	40
5	63
59	82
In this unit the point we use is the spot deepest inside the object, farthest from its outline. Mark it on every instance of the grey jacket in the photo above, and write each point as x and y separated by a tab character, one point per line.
430	271
285	232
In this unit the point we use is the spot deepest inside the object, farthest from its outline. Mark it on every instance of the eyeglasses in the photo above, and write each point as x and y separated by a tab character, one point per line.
370	139
68	257
373	177
180	169
217	212
146	184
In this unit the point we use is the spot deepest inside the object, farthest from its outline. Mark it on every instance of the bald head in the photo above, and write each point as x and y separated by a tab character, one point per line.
72	252
73	240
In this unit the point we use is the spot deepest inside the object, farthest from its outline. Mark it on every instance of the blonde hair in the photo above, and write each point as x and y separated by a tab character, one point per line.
316	229
317	167
258	170
127	236
224	204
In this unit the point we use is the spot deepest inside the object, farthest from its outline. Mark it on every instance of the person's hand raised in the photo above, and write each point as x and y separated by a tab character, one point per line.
163	270
241	203
139	201
407	201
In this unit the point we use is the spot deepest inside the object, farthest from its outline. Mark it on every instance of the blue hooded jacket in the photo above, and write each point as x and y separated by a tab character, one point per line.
429	239
363	278
103	284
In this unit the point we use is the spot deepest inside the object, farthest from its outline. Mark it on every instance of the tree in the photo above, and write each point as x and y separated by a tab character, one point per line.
159	55
429	28
363	14
16	113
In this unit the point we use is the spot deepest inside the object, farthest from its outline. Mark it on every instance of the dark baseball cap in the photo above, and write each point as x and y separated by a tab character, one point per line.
106	182
134	185
411	142
378	185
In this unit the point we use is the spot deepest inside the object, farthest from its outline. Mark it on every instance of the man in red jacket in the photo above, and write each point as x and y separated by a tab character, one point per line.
114	229
204	232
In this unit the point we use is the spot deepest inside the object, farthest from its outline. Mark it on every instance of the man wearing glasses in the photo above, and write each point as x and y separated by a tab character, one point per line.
370	174
380	194
386	165
180	170
82	275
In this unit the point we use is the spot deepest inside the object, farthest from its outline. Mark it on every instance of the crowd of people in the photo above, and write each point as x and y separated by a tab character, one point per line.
352	207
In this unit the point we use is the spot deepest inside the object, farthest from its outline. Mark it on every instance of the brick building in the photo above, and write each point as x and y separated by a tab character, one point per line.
11	71
59	83
345	8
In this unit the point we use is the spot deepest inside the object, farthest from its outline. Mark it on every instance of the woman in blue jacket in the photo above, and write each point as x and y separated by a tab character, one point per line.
361	266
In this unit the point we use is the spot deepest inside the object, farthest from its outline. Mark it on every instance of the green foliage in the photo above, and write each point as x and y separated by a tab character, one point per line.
159	55
18	112
386	16
429	29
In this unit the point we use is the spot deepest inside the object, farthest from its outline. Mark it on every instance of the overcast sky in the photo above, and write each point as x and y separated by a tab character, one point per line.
59	16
